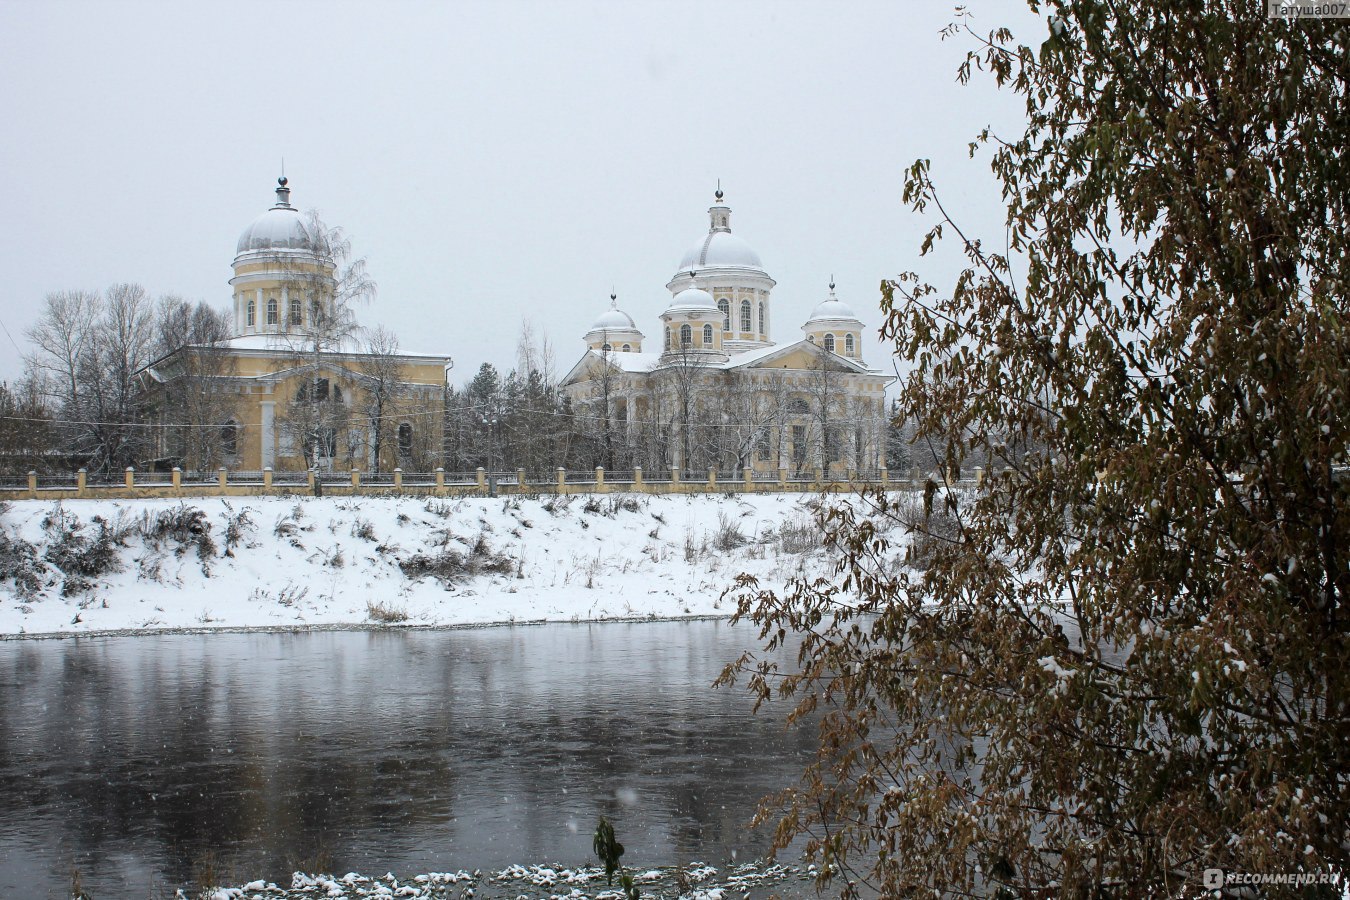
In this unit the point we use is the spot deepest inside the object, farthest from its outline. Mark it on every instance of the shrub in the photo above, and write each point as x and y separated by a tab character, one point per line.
361	528
385	614
237	527
449	565
81	557
185	526
729	535
799	535
19	562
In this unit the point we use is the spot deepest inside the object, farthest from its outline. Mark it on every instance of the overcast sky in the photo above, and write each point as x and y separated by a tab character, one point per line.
493	161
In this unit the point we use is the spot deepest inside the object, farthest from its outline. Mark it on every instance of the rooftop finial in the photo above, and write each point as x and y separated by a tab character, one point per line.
718	194
613	299
832	283
283	193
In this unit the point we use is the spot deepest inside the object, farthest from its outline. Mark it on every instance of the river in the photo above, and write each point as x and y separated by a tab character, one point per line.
148	763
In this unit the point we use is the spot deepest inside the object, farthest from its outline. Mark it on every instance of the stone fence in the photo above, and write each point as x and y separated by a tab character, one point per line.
479	483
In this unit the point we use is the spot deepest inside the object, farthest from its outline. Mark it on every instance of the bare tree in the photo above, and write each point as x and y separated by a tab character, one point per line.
384	388
188	388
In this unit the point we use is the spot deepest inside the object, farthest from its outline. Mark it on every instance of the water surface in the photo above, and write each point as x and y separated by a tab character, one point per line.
155	762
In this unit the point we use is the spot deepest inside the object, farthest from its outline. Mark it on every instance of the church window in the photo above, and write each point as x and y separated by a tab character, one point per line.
313	312
686	335
294	316
229	438
667	337
627	348
272	311
605	347
745	315
848	344
252	313
762	330
405	435
811	338
707	335
725	307
337	394
829	342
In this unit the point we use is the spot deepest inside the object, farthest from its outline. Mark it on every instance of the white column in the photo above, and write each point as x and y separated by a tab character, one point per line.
268	435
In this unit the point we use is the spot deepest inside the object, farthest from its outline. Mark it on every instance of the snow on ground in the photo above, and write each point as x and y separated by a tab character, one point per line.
306	562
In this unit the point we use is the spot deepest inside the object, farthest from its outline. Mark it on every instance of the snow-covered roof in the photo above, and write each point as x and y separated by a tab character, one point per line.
832	309
692	300
720	249
647	362
292	343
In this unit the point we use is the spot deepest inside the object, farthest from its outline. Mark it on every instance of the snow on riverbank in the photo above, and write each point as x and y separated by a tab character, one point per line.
88	566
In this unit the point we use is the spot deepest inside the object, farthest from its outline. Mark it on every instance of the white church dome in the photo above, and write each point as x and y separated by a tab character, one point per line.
832	309
718	249
691	300
280	228
614	319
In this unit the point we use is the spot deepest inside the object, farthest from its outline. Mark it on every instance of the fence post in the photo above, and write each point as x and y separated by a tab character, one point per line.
221	476
749	478
32	482
600	479
177	478
482	479
309	480
562	480
637	479
674	474
131	477
440	478
917	480
81	478
398	479
356	478
885	477
782	476
712	478
820	476
520	481
267	478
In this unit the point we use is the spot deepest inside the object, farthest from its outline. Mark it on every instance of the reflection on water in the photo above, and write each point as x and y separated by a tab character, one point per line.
145	762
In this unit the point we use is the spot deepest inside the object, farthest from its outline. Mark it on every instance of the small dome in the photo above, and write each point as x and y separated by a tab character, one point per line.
692	300
280	228
721	249
832	309
614	319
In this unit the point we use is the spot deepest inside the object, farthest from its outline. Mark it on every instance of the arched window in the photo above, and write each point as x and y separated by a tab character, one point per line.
829	342
293	319
314	310
762	330
686	335
811	338
848	344
404	440
725	307
252	313
229	438
627	348
667	337
745	315
272	311
605	347
337	394
707	336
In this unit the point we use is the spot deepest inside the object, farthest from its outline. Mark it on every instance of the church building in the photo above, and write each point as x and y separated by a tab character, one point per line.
714	390
295	386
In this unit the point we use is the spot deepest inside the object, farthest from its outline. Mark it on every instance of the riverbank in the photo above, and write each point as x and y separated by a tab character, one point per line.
85	567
